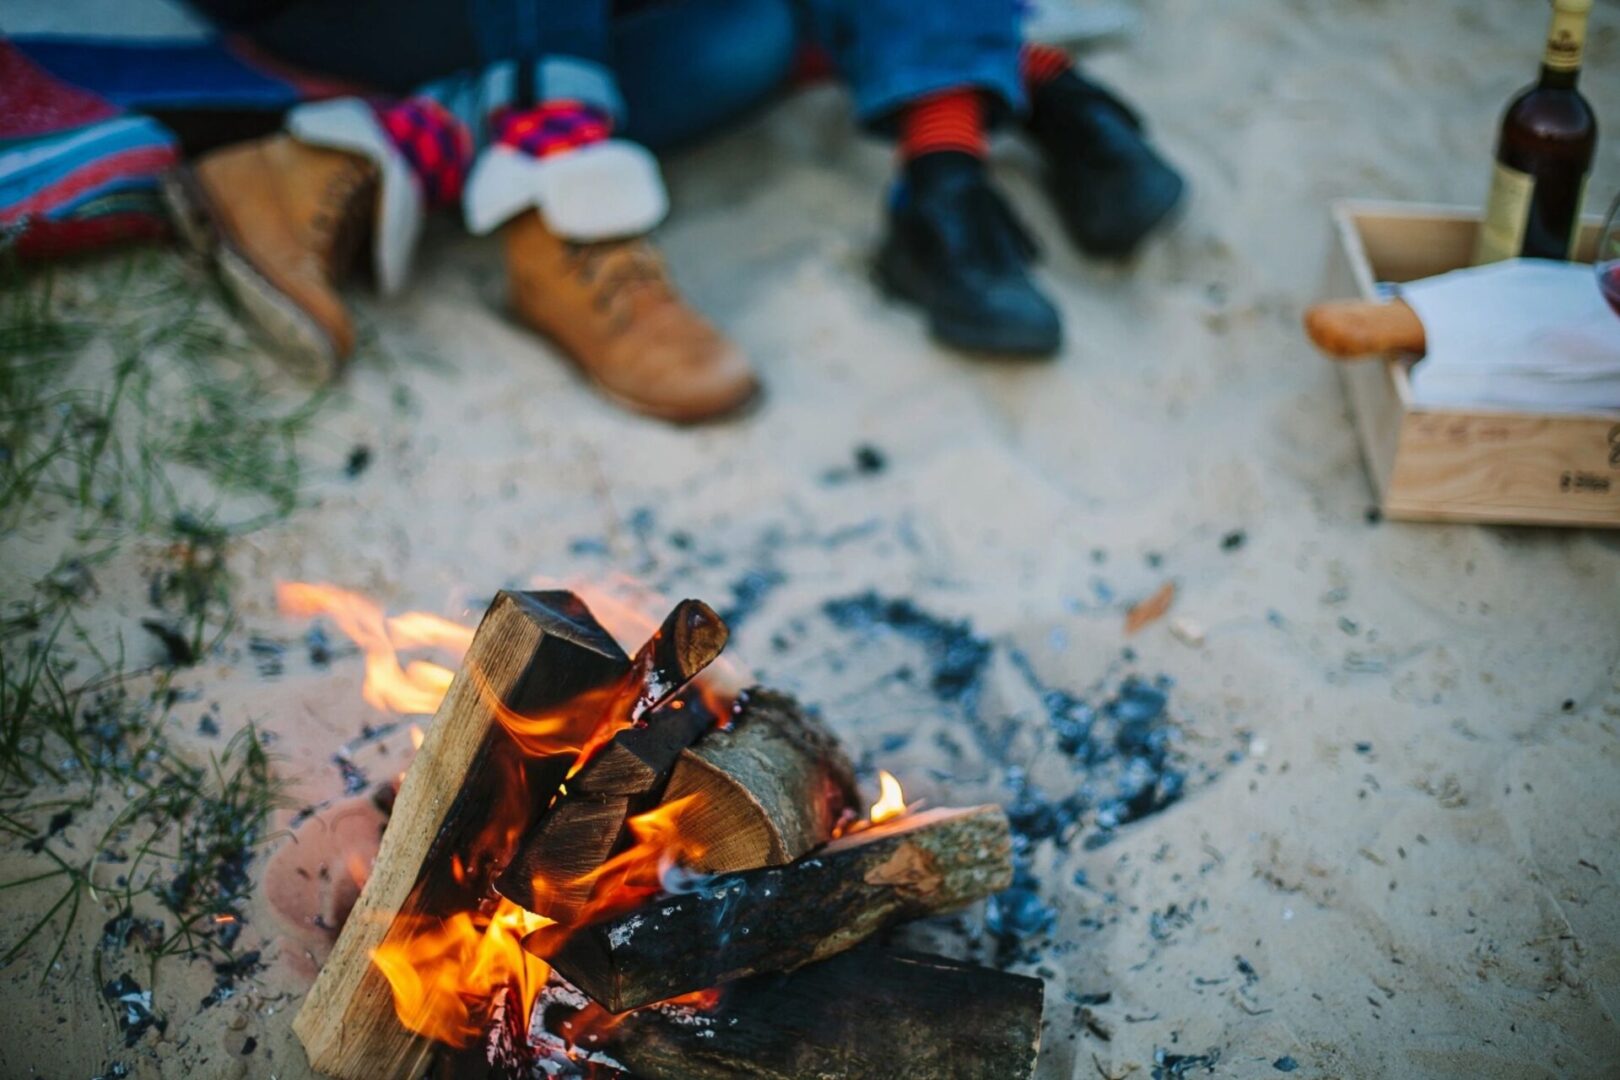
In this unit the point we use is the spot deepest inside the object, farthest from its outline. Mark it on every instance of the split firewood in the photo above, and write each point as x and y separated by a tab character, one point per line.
1355	329
870	1014
779	918
581	830
451	820
770	787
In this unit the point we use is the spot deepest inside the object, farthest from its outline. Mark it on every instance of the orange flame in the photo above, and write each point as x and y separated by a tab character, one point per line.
443	972
634	875
891	800
418	686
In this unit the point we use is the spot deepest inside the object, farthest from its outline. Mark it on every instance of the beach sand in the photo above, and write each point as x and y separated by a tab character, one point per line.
1399	848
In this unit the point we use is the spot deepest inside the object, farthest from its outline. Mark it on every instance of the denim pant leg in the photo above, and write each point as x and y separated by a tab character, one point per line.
894	51
689	67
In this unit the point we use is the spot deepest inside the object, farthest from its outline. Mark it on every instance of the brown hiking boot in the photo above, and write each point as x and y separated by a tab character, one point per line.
612	308
282	220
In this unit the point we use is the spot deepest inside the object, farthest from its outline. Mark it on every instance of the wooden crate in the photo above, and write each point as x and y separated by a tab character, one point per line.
1448	464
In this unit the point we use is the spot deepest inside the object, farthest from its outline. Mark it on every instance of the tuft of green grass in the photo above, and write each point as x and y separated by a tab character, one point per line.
135	417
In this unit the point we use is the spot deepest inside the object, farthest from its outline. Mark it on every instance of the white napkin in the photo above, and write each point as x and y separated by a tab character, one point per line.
1524	333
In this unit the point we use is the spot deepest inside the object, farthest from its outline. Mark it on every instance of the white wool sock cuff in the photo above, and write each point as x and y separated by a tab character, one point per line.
604	191
350	124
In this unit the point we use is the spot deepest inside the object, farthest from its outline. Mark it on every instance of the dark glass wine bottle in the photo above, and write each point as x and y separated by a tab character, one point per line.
1543	154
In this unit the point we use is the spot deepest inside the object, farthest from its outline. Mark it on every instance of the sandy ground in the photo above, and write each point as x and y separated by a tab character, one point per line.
1415	847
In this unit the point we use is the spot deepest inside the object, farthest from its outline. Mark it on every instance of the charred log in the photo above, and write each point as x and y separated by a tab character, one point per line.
870	1014
779	918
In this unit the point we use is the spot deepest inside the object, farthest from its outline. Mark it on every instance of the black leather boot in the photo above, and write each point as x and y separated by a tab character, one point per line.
955	249
1111	187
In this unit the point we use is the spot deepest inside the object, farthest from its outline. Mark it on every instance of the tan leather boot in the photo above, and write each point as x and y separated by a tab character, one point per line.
282	220
612	308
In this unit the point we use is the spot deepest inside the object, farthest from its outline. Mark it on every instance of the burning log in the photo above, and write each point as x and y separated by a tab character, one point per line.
871	1013
770	787
779	918
578	834
452	820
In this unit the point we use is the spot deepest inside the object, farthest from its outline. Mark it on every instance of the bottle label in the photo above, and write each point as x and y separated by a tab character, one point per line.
1507	215
1566	38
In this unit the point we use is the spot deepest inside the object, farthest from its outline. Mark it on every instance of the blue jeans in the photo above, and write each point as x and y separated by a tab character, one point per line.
673	70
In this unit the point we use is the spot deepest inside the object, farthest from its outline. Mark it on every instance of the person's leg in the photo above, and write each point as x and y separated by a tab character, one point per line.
936	75
1110	186
689	67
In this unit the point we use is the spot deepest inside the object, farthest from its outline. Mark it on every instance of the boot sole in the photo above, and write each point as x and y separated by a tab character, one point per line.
298	340
894	280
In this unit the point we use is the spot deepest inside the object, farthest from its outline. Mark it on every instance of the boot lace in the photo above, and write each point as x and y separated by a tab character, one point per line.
620	272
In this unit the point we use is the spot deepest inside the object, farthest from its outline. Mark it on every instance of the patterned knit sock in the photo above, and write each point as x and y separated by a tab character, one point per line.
949	121
1040	64
437	146
553	127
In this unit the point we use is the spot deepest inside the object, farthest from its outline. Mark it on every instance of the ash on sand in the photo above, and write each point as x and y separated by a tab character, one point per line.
1121	754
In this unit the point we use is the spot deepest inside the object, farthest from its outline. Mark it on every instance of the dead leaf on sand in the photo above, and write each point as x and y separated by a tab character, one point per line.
1152	609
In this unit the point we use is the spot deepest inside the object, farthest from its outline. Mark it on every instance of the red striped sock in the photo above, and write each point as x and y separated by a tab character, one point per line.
949	120
1040	64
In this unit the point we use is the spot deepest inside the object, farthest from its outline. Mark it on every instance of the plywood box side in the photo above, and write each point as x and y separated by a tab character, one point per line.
1481	464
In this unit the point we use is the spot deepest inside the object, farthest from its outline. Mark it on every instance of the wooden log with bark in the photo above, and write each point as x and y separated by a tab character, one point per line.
779	918
582	829
770	787
469	785
868	1014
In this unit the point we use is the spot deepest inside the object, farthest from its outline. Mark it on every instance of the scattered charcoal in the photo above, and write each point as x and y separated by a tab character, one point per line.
125	927
355	779
133	1007
1349	625
207	725
1017	914
1285	1064
237	966
1234	540
359	461
250	1045
1374	515
588	545
116	1071
749	593
269	656
1569	705
868	460
176	648
1168	1066
59	821
1364	748
1162	925
319	645
958	654
1246	969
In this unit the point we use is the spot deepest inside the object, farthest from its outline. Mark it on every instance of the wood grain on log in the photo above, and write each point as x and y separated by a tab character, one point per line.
779	918
771	786
868	1014
467	789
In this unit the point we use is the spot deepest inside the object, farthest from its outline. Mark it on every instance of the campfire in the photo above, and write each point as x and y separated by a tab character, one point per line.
611	865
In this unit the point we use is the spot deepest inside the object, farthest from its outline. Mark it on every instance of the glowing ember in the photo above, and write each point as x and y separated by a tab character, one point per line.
891	800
